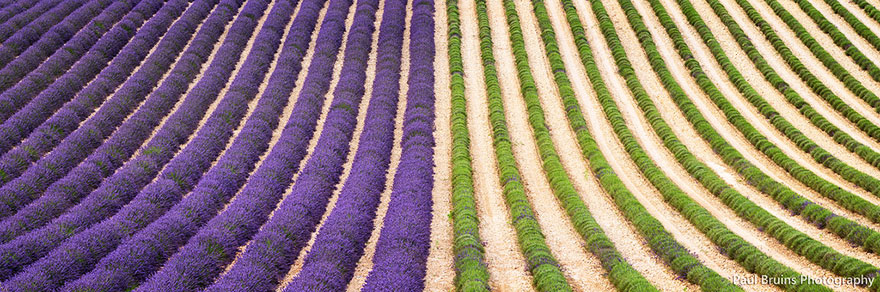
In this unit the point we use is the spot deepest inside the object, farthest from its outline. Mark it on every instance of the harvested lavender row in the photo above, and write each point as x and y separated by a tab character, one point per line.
54	165
8	11
25	121
146	251
34	31
340	242
276	246
399	263
205	256
123	185
22	80
15	23
18	66
108	46
78	255
119	148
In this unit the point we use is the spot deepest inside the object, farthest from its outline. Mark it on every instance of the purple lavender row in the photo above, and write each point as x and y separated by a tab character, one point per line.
339	245
205	256
15	23
276	246
12	9
19	84
23	123
36	30
146	251
18	66
125	183
125	141
78	255
402	250
54	165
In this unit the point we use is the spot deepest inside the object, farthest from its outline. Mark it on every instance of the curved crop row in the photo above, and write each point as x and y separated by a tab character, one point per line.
29	60
197	263
339	244
116	150
26	36
96	91
545	270
144	252
841	226
26	83
869	9
122	186
13	9
797	241
16	160
471	273
167	191
276	246
33	181
853	21
402	248
868	154
15	23
676	256
732	245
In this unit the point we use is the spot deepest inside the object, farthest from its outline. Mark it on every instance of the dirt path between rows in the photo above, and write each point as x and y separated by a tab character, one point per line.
625	236
365	264
441	272
506	264
773	58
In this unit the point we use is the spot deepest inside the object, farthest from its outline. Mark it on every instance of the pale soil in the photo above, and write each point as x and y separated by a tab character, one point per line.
798	85
441	266
700	148
365	264
730	176
352	150
561	235
751	153
816	67
325	109
684	233
844	27
192	84
505	263
861	15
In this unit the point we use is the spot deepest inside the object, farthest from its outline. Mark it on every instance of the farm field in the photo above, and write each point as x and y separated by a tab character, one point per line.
439	145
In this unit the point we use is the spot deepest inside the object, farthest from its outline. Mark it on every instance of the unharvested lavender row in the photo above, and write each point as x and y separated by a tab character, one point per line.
24	82
8	11
53	166
272	251
146	251
15	23
21	61
399	263
330	264
205	256
36	113
26	36
123	185
79	255
125	141
56	93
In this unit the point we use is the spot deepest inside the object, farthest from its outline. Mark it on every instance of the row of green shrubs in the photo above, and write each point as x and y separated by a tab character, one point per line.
545	270
839	38
856	24
730	244
661	242
797	241
843	227
869	9
622	275
869	155
470	265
